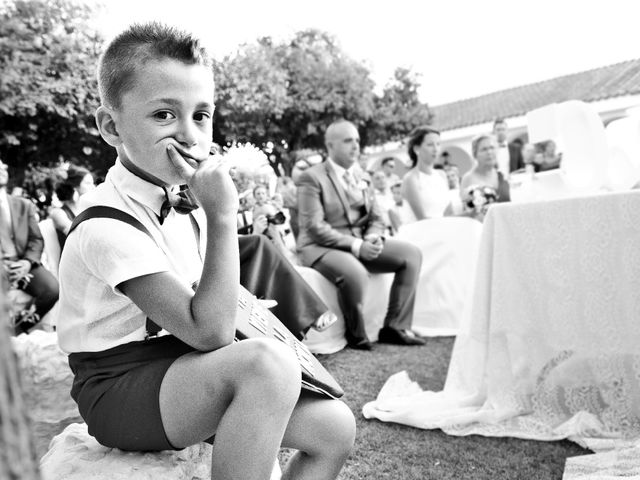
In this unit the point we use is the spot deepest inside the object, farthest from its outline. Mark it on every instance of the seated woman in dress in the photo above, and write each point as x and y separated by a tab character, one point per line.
485	172
78	182
425	187
448	242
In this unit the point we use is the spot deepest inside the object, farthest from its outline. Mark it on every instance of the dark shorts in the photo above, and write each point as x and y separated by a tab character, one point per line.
118	391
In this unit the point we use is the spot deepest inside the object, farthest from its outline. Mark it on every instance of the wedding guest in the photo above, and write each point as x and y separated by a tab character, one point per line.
484	172
364	164
285	228
444	161
508	155
278	201
383	196
264	271
264	209
140	392
400	212
263	204
388	166
266	265
288	190
341	236
380	186
78	181
302	164
425	187
453	178
21	246
549	159
446	237
529	154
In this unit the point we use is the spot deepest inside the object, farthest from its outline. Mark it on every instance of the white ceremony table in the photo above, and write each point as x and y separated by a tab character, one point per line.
549	346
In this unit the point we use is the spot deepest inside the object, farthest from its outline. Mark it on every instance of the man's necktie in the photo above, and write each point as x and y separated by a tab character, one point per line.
183	202
6	238
353	192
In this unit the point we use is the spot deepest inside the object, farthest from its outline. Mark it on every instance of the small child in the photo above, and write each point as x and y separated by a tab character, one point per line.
400	212
263	205
268	220
144	393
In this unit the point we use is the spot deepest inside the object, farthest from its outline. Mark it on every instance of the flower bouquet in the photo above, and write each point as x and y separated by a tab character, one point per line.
477	199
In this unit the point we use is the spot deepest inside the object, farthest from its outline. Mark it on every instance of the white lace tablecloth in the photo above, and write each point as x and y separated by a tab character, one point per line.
549	346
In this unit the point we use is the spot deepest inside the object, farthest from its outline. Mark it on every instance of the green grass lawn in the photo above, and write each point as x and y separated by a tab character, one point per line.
397	452
392	451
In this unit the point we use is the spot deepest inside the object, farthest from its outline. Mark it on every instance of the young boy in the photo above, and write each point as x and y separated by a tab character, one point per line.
144	393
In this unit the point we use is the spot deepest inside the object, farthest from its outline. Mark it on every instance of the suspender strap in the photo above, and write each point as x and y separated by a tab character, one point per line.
102	211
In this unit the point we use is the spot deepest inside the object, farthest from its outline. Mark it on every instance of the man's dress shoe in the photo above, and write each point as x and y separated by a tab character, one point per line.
399	337
361	345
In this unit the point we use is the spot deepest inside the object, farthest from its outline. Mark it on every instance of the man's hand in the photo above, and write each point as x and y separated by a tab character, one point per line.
210	182
371	247
374	238
19	269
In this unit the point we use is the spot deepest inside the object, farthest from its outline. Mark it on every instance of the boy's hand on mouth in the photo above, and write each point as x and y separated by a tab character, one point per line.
209	180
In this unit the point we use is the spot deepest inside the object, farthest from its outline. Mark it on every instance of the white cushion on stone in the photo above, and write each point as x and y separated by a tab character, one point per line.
45	376
75	455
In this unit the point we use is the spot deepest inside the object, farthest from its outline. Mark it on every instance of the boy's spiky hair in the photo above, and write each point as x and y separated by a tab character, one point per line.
137	45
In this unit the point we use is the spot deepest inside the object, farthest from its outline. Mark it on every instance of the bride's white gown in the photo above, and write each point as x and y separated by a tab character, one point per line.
449	248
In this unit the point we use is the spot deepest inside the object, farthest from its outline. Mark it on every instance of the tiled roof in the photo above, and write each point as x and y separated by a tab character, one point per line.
598	84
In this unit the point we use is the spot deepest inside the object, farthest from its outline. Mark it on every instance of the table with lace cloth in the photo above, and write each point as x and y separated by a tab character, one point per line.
548	348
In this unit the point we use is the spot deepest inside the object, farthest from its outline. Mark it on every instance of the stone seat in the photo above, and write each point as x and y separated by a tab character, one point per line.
76	455
45	376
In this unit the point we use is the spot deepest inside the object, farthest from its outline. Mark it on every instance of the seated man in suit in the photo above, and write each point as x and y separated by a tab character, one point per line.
341	236
21	246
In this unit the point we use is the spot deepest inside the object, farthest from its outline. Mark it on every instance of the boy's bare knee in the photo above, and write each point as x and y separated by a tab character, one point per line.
340	427
269	365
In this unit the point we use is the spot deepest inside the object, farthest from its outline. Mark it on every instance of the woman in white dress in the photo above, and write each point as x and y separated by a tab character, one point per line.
448	242
425	188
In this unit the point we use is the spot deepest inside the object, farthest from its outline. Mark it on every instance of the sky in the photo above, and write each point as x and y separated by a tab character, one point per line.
460	48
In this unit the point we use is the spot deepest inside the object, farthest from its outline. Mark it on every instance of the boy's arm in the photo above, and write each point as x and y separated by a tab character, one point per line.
206	319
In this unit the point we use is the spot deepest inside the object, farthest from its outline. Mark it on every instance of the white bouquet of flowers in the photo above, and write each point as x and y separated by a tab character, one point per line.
477	199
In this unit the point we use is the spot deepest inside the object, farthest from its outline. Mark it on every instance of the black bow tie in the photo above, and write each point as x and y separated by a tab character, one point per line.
183	202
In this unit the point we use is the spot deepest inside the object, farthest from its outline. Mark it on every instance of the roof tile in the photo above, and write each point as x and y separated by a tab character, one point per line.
598	84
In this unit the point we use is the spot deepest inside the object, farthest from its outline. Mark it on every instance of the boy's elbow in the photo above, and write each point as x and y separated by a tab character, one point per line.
207	339
209	343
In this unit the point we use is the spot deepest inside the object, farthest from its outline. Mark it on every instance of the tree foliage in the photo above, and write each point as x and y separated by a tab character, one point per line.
399	109
279	95
288	92
48	91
